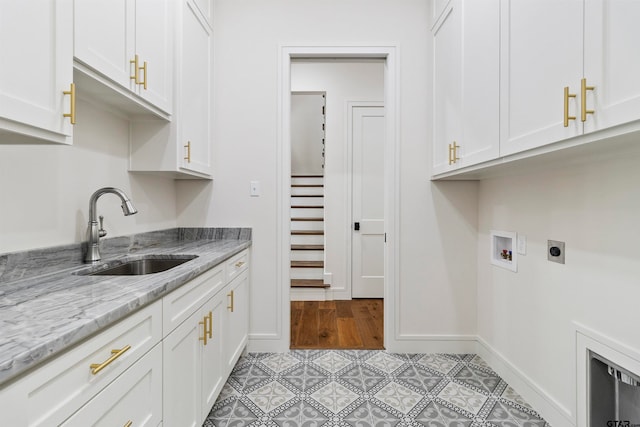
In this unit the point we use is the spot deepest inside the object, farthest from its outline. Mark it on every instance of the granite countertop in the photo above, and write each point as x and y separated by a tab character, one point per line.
45	308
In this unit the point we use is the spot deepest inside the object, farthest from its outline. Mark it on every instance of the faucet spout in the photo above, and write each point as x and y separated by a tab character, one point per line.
93	234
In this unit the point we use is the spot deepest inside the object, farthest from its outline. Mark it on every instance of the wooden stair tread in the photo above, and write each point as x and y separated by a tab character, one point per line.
307	176
308	283
307	232
307	219
307	207
307	247
307	264
307	185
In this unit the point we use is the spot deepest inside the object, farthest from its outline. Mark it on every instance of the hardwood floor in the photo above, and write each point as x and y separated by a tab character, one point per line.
355	324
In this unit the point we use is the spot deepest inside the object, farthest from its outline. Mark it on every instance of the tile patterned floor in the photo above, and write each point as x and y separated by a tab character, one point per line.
368	388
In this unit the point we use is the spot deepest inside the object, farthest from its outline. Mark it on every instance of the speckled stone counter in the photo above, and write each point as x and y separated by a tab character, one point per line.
46	306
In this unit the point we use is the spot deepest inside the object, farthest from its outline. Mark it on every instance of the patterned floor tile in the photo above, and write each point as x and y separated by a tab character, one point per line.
463	397
373	388
335	397
399	397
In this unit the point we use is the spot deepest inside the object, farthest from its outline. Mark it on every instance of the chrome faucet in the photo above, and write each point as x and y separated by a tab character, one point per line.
93	233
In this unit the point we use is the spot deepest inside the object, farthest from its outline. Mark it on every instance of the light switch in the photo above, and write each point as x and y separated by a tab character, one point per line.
522	244
255	189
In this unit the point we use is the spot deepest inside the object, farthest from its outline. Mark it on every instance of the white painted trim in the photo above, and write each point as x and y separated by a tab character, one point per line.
392	174
308	295
551	410
617	352
349	106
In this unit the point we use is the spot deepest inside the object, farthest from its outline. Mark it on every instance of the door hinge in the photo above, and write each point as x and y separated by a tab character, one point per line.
385	237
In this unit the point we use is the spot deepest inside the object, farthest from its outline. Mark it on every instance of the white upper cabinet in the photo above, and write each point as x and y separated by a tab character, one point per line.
541	54
466	84
37	70
612	62
129	42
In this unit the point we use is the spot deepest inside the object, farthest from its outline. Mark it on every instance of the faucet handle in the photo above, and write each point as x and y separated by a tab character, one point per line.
102	232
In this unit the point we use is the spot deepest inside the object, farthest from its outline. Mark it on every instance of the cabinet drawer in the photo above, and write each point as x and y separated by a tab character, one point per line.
184	301
53	392
134	397
237	265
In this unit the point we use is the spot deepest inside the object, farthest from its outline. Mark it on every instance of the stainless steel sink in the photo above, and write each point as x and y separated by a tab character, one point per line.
149	264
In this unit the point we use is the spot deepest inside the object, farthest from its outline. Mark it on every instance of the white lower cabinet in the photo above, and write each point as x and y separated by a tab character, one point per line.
133	399
163	365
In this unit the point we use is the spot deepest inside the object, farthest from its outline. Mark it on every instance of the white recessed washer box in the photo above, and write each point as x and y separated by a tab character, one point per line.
503	249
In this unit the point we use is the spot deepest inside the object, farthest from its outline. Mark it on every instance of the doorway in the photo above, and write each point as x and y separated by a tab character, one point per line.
339	289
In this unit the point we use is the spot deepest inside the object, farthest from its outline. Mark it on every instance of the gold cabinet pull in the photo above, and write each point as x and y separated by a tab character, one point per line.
128	424
230	307
210	317
204	334
188	147
583	99
97	367
567	117
239	264
144	75
453	153
72	103
135	62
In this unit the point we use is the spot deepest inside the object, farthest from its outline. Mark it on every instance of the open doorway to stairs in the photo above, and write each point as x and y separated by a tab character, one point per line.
337	254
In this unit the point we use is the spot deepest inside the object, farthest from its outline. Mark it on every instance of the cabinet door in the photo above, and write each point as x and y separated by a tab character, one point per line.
104	38
182	374
447	76
212	375
612	62
541	53
195	91
37	67
237	319
480	139
154	37
134	397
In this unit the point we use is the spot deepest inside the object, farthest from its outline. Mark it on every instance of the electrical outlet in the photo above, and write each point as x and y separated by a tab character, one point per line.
522	244
555	251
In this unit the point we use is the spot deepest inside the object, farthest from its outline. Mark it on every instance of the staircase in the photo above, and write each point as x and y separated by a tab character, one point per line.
307	231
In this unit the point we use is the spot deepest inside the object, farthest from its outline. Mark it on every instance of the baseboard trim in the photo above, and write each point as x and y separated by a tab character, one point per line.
298	294
460	344
551	410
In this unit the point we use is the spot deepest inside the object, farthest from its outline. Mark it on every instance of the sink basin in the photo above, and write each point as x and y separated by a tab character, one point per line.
147	265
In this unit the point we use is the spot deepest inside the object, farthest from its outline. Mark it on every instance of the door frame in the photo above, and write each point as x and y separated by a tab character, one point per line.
391	179
349	138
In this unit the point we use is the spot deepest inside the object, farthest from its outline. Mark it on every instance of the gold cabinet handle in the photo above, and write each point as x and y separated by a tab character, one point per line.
135	62
453	153
144	75
72	103
204	325
188	147
128	424
210	317
239	264
567	117
583	100
97	367
230	307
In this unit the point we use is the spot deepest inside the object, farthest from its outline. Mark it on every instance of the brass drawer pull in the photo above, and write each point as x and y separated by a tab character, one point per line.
97	367
204	332
583	100
188	147
135	62
128	424
230	307
72	103
210	317
239	264
567	95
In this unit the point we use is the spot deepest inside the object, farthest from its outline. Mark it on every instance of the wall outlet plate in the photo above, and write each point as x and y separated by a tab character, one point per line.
555	251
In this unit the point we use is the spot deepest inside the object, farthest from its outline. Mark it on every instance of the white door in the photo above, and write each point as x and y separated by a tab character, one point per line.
367	268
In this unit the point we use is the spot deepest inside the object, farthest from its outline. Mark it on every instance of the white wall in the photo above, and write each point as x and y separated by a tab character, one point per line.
436	295
307	133
528	316
343	81
45	189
